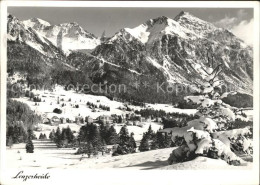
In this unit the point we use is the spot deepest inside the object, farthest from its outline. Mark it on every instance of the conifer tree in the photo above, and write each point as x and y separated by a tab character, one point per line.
52	135
30	133
120	119
63	134
124	136
29	146
132	143
89	149
16	134
144	144
57	139
150	132
96	140
104	132
155	141
167	141
69	134
112	136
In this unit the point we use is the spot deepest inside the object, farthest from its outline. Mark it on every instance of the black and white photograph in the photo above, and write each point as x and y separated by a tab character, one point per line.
169	88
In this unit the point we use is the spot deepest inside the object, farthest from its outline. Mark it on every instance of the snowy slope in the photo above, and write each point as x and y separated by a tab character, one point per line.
46	155
49	103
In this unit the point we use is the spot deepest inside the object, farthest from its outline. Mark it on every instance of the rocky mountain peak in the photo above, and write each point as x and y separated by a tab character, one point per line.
195	24
40	21
159	20
36	23
181	14
70	24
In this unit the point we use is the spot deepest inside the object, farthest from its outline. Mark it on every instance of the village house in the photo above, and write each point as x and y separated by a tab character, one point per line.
129	123
149	119
55	120
63	120
79	119
127	116
123	119
141	119
68	120
46	121
89	119
105	119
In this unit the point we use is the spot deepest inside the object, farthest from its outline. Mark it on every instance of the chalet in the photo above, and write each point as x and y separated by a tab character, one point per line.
63	120
141	119
123	118
37	127
79	119
129	123
68	120
46	121
89	119
105	119
135	123
127	116
139	124
132	116
221	126
149	119
136	117
55	120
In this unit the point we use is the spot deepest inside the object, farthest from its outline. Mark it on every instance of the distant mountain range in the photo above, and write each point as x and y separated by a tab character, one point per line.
164	50
66	36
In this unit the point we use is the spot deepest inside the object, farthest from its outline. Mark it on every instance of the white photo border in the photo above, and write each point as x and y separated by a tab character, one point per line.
117	176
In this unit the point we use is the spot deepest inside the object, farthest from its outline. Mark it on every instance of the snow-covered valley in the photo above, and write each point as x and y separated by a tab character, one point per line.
47	155
49	101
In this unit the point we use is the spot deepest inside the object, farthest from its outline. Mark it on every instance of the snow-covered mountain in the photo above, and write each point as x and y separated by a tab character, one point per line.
161	50
31	54
181	50
18	32
66	36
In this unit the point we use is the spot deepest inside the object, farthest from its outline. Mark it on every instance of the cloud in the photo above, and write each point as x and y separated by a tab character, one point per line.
227	22
241	14
238	25
244	30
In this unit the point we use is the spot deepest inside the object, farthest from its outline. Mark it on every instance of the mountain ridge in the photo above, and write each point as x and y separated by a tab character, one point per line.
163	50
180	44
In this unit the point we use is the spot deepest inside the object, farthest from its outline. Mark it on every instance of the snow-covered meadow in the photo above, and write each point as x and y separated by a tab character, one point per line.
46	155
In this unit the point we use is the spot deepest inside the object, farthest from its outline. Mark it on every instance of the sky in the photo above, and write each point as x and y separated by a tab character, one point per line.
97	20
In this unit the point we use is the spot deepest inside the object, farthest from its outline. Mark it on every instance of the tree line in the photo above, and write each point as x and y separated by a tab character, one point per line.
19	119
